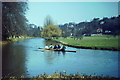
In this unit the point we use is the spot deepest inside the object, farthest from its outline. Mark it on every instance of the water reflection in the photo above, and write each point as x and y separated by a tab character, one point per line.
13	60
51	55
23	57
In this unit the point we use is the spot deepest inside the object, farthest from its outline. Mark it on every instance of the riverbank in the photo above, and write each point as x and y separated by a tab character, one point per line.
62	76
92	42
14	40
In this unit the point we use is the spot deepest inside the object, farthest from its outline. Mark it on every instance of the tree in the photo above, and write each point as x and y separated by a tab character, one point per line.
51	31
13	19
48	21
34	30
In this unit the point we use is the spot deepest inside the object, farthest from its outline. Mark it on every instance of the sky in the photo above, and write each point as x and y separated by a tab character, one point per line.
65	12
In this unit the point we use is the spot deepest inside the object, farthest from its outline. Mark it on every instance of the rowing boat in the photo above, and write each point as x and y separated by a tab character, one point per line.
57	50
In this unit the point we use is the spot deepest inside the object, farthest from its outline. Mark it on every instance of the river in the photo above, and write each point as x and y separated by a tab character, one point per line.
24	58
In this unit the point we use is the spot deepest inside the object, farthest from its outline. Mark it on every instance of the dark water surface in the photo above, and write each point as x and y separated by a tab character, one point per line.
24	58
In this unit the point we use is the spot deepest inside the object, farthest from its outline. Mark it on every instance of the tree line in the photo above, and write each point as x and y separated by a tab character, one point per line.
107	26
15	24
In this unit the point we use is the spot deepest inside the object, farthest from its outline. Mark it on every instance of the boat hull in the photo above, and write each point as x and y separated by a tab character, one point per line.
58	50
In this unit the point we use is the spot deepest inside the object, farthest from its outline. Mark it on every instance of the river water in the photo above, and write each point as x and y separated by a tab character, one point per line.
24	58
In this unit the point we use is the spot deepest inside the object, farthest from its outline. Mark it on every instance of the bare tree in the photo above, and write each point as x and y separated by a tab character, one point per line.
48	21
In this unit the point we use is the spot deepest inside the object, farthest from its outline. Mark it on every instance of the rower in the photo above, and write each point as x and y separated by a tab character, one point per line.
55	47
63	48
51	46
59	47
46	47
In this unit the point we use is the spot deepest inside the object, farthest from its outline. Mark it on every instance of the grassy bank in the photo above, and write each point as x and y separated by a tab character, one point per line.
62	76
100	42
14	39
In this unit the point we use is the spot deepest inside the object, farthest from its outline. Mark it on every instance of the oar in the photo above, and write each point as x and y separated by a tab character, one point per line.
41	48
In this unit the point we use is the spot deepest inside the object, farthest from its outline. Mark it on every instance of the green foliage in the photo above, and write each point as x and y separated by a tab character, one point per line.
61	76
34	31
13	19
51	31
108	26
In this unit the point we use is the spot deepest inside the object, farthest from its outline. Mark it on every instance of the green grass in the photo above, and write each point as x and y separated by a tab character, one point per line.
93	41
14	40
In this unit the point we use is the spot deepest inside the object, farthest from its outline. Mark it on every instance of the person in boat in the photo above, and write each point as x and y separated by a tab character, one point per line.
59	47
55	47
46	47
63	48
51	46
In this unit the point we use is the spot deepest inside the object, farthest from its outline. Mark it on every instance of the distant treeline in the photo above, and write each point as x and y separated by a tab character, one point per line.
15	24
109	26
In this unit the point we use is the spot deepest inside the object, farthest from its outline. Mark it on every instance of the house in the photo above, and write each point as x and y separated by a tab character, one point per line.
99	30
